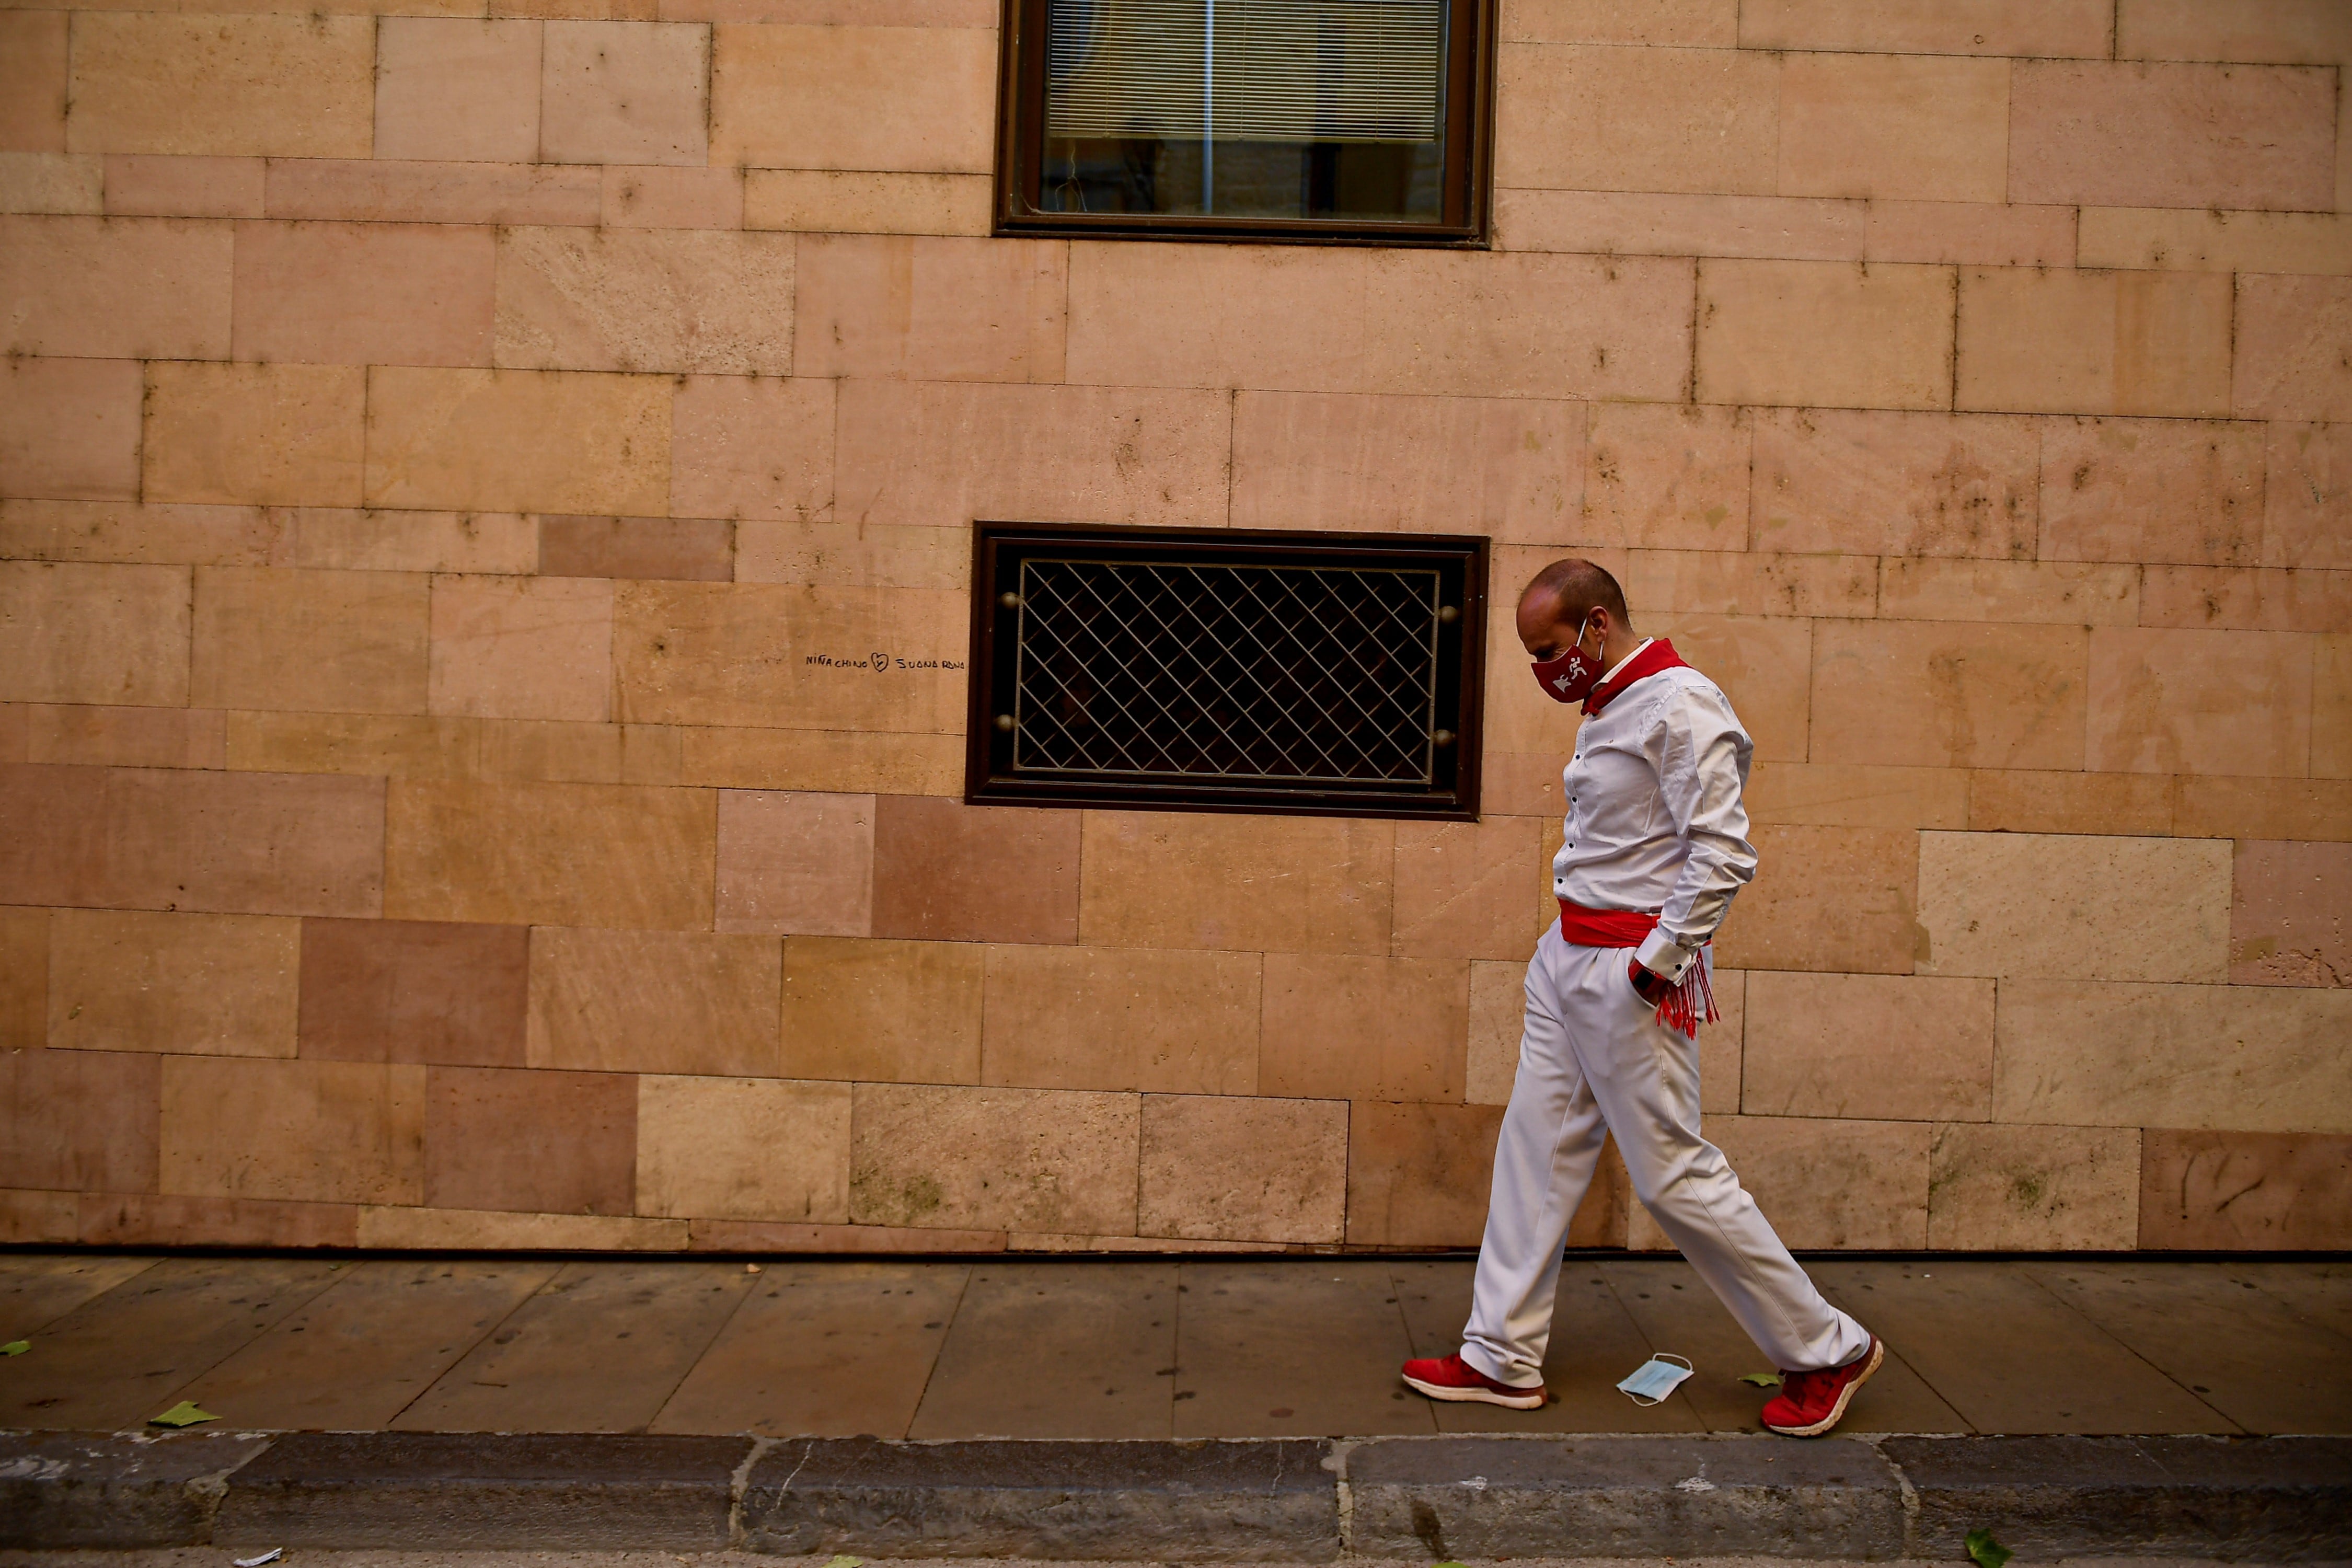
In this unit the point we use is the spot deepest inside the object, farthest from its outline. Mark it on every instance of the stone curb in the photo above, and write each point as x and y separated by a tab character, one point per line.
1289	1499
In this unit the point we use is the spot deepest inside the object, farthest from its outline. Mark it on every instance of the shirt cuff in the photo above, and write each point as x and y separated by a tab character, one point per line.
1659	954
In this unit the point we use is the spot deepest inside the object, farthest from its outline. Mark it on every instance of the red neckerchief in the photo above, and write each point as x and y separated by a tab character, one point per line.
1660	654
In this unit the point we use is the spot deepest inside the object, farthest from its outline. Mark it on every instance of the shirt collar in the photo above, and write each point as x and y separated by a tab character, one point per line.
1611	673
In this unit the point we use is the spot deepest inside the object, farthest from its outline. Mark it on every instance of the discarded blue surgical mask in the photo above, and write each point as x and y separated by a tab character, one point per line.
1655	1378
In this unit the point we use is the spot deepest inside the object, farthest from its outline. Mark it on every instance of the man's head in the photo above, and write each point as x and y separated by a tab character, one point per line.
1572	599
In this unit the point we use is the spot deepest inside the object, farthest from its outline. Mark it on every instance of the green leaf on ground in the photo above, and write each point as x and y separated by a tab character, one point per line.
15	1347
846	1562
1761	1379
1988	1552
183	1414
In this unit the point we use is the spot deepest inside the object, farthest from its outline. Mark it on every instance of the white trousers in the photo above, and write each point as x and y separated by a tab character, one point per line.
1593	1060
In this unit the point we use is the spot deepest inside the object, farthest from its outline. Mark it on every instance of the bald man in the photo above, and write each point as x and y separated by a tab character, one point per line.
1657	844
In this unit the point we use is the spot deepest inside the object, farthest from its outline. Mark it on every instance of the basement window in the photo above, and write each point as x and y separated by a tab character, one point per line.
1356	120
1226	670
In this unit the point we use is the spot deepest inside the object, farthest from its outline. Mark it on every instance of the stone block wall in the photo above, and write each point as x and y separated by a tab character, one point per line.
435	436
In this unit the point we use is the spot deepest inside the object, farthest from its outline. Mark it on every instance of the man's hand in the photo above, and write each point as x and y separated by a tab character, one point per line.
1648	984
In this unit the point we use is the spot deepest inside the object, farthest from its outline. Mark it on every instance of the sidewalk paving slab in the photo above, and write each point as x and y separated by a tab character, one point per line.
1284	1350
1161	1501
35	1291
1038	1351
1622	1497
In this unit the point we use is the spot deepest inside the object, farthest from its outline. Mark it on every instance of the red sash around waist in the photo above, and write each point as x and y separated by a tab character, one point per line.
1687	1004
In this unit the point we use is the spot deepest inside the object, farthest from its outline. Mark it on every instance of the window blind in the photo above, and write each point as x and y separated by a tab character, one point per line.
1245	70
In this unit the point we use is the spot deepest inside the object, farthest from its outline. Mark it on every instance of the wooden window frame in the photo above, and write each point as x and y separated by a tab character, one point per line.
1460	673
1469	138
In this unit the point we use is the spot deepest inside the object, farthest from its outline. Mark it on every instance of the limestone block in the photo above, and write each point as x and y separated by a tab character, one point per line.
2074	907
2055	593
2257	1191
994	1159
69	429
2303	32
522	647
366	745
567	751
625	92
1418	1175
2310	477
734	1148
644	1001
32	81
2018	801
786	657
796	862
131	534
1508	468
1895	484
1250	884
881	97
2229	1058
210	985
1969	234
561	854
685	549
840	12
946	871
2135	491
938	453
458	88
414	991
2291	914
1832	899
325	1132
351	539
2113	133
364	190
855	556
1951	694
1899	126
172	186
1364	1028
52	183
2331	707
126	289
1470	890
2320	809
85	633
1856	795
889	1012
2224	598
2051	341
2167	702
1587	117
822	201
2031	28
1668	477
269	435
1763	666
1095	1017
518	441
1498	1018
747	447
2177	239
1897	1047
2034	1189
124	737
1220	1168
932	308
363	293
645	299
655	197
497	1138
1824	333
79	1120
1325	319
840	761
400	1230
2283	368
336	642
1832	1184
1643	223
289	86
1687	23
1740	584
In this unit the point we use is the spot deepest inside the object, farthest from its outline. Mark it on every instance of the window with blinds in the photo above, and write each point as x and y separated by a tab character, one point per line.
1355	118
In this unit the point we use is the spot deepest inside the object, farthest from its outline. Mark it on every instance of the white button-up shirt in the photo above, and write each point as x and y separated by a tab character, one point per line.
1655	818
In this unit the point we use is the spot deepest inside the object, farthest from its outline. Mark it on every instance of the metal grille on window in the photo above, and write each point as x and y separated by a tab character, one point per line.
1283	673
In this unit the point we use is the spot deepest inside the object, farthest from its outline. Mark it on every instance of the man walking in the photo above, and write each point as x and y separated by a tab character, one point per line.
1657	844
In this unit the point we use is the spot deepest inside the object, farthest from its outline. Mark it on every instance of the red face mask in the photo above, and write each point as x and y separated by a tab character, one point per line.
1570	675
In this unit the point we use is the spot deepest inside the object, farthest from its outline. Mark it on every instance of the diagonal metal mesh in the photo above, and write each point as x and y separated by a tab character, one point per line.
1201	672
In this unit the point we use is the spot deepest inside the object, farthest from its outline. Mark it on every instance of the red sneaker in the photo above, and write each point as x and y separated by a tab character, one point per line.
1451	1377
1811	1403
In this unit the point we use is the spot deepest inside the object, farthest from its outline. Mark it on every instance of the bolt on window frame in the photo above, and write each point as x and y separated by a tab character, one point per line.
1455	679
1468	142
